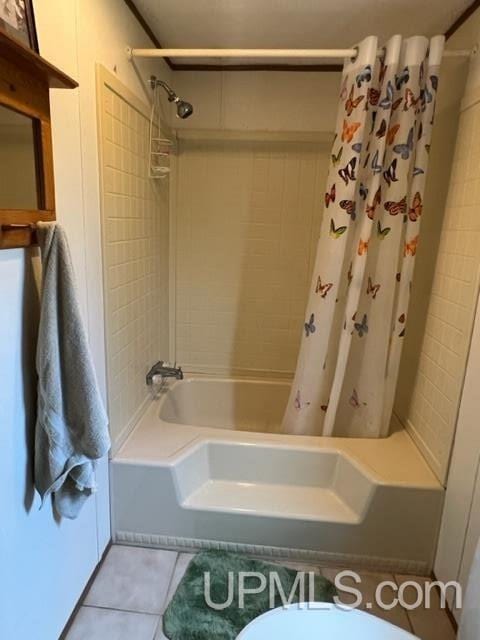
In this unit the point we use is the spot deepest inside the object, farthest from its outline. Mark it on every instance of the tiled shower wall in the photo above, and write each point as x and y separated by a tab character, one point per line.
135	235
247	220
432	413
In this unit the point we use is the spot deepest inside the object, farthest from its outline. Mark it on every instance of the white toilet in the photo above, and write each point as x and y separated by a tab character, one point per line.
299	622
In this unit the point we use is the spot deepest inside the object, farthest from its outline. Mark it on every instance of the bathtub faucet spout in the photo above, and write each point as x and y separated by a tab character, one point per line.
165	370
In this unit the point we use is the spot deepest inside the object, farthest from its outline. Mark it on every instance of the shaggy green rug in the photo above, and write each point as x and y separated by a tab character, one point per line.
189	617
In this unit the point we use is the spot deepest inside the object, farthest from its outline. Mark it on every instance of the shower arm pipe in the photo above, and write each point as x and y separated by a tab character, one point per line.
267	53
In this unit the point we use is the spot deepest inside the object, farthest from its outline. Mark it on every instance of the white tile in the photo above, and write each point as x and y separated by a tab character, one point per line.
181	565
133	579
428	624
367	587
106	624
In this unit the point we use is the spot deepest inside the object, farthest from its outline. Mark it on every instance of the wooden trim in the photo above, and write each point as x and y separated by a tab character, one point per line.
146	27
462	18
80	601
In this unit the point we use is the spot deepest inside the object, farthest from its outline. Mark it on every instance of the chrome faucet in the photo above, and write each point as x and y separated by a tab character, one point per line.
165	370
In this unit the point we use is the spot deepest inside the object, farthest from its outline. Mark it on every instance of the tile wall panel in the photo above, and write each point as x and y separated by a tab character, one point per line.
135	235
247	220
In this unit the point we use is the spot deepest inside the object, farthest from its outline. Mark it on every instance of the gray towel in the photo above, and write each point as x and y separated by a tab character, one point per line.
72	427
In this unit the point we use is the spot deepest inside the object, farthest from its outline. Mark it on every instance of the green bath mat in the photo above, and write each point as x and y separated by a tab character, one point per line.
189	617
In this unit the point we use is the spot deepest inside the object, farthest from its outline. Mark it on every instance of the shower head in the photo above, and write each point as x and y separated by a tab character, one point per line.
184	109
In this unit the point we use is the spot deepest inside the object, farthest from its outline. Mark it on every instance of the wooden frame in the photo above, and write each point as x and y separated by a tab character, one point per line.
25	80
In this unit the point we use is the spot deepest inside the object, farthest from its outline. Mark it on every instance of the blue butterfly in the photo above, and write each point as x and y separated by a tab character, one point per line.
364	76
363	190
376	168
310	326
361	327
434	81
357	147
404	149
417	171
402	78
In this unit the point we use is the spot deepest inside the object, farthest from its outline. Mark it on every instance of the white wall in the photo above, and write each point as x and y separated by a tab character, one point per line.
46	563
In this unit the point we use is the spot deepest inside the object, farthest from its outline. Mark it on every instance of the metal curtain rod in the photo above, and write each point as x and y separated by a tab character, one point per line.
265	53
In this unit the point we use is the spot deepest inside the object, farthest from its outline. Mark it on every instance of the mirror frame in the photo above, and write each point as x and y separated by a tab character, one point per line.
25	80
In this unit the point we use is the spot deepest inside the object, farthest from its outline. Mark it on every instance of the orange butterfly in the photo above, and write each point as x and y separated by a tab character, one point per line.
352	104
372	288
349	130
411	247
415	210
330	197
323	289
371	208
411	101
362	247
392	132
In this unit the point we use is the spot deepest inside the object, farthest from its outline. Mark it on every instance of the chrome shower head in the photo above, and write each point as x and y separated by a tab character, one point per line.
184	109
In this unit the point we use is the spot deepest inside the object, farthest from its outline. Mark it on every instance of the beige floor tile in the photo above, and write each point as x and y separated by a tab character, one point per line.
133	579
367	587
107	624
181	565
428	623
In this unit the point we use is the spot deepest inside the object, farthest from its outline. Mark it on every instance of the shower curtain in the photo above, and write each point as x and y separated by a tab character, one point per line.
347	369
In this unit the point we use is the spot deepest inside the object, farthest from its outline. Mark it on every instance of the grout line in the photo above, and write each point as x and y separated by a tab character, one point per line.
140	613
410	621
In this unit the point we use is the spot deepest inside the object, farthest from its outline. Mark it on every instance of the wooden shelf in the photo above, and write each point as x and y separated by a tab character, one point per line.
21	56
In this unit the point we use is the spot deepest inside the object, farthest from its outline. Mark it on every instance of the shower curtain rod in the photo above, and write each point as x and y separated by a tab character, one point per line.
264	53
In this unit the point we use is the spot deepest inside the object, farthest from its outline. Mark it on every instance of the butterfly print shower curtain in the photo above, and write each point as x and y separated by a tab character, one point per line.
355	321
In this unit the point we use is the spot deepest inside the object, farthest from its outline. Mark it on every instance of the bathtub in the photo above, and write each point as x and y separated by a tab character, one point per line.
208	467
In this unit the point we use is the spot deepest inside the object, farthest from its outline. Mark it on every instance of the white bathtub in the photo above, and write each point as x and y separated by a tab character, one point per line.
206	467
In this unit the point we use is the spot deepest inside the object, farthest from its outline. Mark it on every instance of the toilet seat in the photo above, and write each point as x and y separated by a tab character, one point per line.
303	623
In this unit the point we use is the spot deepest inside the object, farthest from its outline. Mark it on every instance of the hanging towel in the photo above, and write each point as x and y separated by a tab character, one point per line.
72	427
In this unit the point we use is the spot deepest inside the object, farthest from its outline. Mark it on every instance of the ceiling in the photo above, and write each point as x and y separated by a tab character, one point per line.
290	23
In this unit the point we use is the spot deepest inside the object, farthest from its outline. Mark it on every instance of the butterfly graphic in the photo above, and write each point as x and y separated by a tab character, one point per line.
417	171
330	197
373	96
363	190
372	288
411	101
425	97
404	149
336	232
402	78
382	129
434	81
392	132
348	172
415	211
350	207
382	71
371	208
324	407
382	231
376	168
310	326
390	173
394	208
365	75
343	90
357	147
323	289
402	320
350	274
349	130
361	327
336	158
411	247
352	103
298	401
362	247
387	102
354	401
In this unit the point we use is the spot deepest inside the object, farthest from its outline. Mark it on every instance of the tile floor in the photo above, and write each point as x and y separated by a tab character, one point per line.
135	585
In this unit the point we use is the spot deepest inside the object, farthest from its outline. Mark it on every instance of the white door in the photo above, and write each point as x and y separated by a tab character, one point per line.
460	528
